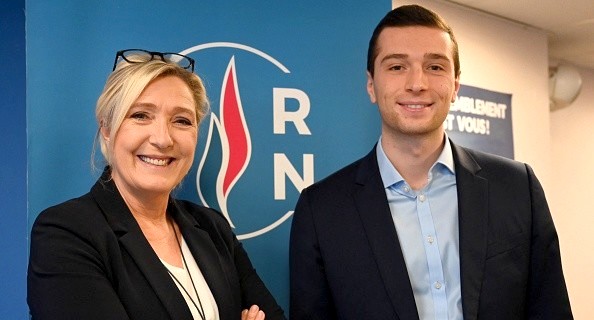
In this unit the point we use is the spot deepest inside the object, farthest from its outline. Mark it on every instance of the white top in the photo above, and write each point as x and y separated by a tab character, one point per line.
209	304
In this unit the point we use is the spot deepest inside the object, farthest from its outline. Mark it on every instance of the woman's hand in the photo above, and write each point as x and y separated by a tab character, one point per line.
254	313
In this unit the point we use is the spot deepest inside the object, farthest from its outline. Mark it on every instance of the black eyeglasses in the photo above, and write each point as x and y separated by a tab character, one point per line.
140	55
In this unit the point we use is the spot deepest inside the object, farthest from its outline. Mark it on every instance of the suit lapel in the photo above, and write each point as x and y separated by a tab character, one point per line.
372	206
473	221
133	241
208	259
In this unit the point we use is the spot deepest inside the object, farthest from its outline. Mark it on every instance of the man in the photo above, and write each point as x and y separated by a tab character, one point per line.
422	228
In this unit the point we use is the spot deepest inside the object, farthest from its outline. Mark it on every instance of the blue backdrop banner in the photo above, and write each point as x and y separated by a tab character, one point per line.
286	80
482	119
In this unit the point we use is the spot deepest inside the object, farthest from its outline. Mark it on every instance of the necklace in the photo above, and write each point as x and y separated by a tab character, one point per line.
198	305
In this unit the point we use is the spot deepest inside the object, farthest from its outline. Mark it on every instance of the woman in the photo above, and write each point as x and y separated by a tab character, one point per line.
127	249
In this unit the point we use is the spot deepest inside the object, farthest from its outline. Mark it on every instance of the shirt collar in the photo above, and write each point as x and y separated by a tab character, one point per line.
391	176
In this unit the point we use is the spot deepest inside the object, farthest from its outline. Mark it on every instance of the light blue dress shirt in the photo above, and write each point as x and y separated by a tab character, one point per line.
426	221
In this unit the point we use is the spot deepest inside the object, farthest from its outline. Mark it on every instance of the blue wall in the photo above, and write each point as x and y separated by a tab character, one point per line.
13	142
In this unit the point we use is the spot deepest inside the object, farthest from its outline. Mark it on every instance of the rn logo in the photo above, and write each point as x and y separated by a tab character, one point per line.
252	142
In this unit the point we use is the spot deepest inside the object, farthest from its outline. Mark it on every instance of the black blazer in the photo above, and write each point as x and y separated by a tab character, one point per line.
90	260
346	261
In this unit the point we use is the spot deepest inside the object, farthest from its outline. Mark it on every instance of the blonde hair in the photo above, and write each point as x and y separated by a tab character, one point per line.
124	86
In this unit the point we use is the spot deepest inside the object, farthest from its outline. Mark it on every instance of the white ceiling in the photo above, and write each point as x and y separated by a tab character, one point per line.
569	23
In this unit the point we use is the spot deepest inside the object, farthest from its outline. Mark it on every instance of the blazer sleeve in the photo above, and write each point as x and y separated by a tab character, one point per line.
253	289
66	277
310	296
547	296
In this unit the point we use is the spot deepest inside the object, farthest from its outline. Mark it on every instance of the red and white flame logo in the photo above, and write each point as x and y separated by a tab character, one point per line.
235	138
236	144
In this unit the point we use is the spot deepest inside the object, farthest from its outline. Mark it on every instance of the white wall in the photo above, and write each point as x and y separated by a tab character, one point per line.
572	149
505	56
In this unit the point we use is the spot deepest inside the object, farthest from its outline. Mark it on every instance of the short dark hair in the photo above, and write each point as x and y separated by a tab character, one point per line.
410	16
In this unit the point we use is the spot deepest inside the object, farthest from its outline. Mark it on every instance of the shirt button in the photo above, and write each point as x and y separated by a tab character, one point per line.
430	239
422	198
437	285
406	189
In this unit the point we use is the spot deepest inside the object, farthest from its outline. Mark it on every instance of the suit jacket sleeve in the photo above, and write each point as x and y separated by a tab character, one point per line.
236	262
547	296
310	294
253	290
66	276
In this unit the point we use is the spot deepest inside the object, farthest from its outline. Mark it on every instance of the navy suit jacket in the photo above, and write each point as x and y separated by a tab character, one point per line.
90	260
346	261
